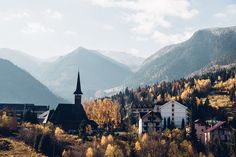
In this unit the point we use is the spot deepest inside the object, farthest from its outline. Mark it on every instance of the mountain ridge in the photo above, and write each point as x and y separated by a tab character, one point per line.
18	86
206	46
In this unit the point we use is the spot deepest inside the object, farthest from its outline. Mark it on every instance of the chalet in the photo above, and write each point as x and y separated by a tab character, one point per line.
174	111
70	116
143	107
149	122
20	109
220	132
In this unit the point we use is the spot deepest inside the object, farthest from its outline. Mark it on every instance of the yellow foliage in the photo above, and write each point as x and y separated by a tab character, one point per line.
103	140
144	137
113	151
7	121
110	138
109	151
89	152
210	155
137	146
163	142
202	155
58	132
66	153
103	112
227	85
202	85
38	127
186	93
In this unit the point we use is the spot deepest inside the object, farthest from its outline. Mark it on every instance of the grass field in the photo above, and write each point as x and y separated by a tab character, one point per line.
19	149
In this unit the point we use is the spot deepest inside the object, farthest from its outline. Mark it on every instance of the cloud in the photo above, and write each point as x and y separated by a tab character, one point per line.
70	33
53	14
164	39
108	27
146	15
35	27
12	15
228	11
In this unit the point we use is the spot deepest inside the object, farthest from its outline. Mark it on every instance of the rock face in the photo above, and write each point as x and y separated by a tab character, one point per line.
215	46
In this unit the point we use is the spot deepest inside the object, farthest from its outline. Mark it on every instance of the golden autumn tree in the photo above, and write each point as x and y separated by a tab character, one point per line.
104	111
7	121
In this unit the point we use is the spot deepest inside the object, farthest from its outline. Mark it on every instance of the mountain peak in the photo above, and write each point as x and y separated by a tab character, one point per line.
205	47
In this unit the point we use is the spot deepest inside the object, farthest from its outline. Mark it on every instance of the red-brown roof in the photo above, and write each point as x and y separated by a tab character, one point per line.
216	126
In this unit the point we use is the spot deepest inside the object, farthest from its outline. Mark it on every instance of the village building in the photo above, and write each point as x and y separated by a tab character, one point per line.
176	112
172	110
19	109
220	132
143	107
149	122
69	116
212	131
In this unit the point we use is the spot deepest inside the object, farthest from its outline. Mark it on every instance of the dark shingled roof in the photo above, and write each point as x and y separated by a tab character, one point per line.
68	113
158	114
78	87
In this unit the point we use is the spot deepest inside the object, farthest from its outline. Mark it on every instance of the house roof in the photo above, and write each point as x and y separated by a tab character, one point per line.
144	115
78	87
175	102
46	116
15	106
143	105
216	126
68	113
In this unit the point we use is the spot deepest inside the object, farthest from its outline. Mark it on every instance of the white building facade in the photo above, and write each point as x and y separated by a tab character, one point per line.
175	111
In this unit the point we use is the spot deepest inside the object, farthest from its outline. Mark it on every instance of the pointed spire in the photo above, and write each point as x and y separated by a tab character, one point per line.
78	87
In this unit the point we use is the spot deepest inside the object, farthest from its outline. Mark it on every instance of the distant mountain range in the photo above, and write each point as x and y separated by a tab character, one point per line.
98	72
106	72
18	86
215	46
133	62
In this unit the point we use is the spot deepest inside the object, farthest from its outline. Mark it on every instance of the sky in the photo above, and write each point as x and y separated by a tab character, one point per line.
46	28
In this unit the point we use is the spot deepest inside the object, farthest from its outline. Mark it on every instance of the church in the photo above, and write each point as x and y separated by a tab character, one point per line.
70	116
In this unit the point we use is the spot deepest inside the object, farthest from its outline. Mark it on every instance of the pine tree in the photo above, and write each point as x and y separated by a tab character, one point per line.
182	124
30	116
45	145
164	127
36	141
168	123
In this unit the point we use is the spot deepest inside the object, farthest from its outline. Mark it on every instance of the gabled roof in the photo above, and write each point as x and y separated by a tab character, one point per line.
78	87
46	116
68	113
175	102
216	126
142	115
143	104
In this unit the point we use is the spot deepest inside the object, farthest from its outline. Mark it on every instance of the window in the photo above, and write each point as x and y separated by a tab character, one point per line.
173	119
173	110
172	114
173	105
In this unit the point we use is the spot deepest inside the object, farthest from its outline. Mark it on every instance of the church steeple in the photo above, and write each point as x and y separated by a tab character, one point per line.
78	93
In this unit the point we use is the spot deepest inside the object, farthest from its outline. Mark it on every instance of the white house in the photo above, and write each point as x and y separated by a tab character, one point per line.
175	111
149	122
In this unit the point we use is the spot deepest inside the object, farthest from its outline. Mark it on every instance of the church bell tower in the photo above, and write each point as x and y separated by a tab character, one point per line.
78	93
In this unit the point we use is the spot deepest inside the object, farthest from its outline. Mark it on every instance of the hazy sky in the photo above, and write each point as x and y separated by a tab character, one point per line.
46	28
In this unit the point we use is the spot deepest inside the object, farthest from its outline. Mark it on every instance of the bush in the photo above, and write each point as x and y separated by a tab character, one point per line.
5	145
